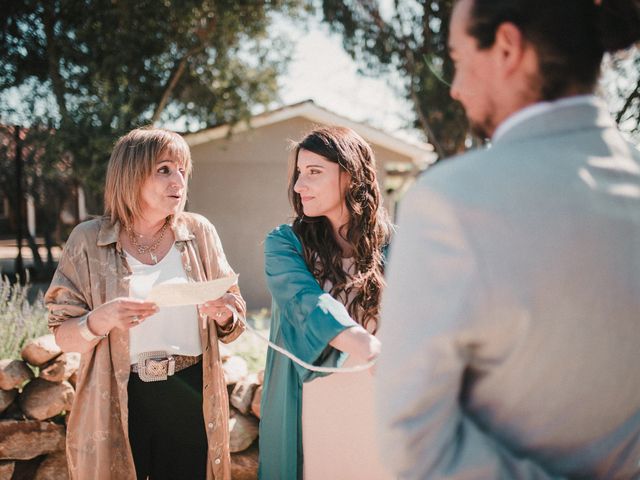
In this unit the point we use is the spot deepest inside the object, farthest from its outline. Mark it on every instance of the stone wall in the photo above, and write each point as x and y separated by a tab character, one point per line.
33	412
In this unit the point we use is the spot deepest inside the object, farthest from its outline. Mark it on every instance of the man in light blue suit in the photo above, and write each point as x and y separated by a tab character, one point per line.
511	322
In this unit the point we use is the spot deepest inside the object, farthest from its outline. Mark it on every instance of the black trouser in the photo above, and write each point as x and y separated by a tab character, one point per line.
166	426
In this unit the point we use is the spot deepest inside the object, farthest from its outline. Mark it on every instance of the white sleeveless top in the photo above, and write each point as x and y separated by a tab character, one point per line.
172	329
338	422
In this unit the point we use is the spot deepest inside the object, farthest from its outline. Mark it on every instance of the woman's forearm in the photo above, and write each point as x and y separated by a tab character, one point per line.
77	334
358	342
69	338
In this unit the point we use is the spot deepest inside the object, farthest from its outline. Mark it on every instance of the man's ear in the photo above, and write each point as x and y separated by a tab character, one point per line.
510	47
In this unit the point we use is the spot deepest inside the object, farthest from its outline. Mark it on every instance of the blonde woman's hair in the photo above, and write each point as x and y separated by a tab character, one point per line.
132	161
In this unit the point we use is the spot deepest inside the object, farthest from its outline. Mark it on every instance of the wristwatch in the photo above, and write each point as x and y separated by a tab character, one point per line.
86	333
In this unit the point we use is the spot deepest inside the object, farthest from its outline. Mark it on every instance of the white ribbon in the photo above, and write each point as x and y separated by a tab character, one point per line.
286	353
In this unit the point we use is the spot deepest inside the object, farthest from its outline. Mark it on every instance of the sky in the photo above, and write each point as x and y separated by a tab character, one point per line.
322	71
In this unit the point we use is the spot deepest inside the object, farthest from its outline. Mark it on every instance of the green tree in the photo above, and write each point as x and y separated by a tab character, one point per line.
411	39
102	67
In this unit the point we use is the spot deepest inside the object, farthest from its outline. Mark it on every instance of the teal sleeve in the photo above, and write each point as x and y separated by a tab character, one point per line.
310	317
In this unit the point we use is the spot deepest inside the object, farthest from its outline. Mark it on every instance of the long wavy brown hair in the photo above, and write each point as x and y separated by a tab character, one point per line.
367	231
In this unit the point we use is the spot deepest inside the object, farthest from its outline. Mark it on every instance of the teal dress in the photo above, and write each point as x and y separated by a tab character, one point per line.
304	319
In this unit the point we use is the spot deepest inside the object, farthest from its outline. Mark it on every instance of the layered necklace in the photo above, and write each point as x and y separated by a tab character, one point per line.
155	241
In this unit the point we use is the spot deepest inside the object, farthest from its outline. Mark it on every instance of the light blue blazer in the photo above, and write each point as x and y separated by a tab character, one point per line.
511	319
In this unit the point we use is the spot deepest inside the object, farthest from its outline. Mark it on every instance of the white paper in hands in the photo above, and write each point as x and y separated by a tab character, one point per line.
195	293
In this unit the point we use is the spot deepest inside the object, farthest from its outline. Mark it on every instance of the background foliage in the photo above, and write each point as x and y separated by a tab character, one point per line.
20	319
94	69
410	37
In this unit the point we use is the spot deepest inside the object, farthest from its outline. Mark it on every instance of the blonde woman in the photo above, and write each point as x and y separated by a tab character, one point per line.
151	400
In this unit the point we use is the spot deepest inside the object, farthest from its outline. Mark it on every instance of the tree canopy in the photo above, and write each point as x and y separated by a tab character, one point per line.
99	68
410	37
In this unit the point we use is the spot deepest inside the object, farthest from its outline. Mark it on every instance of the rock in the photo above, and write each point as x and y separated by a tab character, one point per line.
54	467
41	350
6	470
243	431
61	368
13	373
6	398
255	404
235	369
244	465
242	393
41	399
22	440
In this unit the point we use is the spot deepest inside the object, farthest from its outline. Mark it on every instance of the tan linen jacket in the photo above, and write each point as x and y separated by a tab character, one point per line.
93	270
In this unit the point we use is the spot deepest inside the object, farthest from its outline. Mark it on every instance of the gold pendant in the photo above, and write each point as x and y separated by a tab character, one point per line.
153	257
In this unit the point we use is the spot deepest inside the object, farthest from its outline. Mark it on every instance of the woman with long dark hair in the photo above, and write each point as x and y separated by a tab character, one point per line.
325	274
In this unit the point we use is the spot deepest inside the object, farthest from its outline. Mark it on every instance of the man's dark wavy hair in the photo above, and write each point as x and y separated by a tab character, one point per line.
570	36
368	229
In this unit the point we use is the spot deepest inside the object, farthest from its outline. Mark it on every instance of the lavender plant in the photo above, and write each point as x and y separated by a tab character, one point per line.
20	319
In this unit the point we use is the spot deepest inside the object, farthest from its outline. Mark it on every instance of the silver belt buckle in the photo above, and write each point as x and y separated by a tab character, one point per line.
155	366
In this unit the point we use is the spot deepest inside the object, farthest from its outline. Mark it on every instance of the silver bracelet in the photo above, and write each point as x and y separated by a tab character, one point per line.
86	333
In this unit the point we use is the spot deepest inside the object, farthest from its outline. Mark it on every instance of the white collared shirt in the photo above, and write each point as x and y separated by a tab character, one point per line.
540	108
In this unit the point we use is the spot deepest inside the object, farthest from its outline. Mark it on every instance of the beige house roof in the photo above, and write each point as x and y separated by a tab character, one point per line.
421	153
